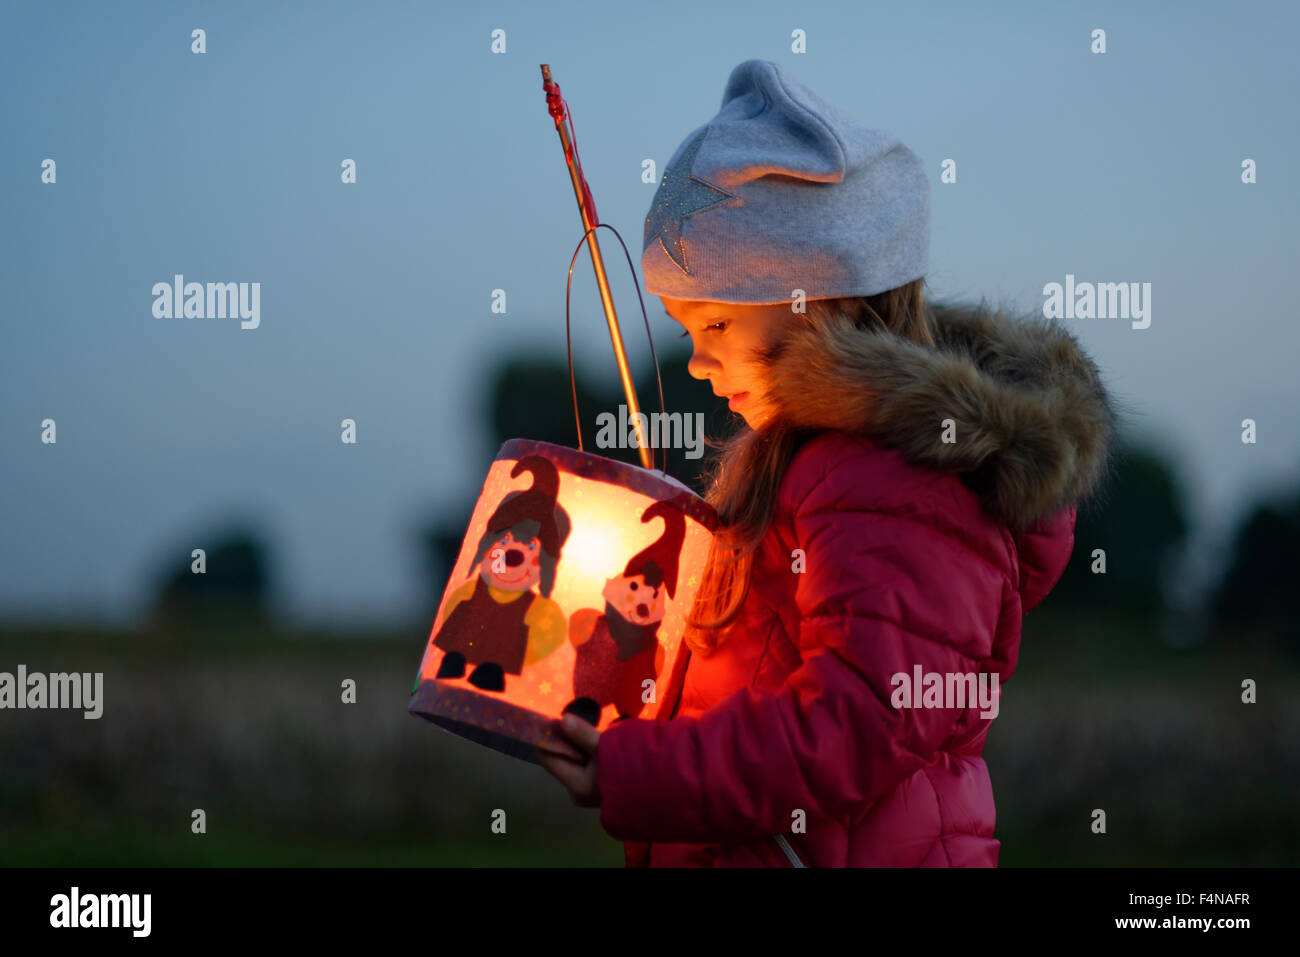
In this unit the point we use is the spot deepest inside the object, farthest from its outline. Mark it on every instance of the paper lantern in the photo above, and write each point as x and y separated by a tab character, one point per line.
571	591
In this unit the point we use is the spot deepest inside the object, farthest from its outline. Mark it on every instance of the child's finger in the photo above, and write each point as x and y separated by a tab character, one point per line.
560	750
558	745
566	772
581	733
552	762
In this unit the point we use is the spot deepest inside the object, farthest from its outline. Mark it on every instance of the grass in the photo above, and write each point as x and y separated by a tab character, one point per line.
247	723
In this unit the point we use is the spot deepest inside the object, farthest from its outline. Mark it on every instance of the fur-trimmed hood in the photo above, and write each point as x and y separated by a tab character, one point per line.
1032	426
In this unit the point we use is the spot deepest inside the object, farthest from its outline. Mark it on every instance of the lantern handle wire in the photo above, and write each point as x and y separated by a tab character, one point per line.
568	339
567	131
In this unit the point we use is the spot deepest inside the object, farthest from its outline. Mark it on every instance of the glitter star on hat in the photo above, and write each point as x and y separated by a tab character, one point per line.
681	194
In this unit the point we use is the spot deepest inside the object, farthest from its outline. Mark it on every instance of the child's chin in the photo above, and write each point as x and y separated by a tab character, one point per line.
755	418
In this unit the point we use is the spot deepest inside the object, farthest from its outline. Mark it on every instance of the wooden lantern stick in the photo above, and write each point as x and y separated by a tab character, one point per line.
559	110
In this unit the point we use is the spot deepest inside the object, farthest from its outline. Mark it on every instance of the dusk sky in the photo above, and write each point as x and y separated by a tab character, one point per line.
376	296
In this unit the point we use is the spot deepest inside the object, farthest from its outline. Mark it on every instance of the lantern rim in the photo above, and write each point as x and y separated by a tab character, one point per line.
587	465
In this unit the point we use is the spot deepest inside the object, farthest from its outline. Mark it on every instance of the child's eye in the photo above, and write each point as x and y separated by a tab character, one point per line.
684	334
717	325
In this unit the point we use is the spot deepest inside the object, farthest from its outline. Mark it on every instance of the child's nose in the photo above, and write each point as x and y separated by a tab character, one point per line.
701	364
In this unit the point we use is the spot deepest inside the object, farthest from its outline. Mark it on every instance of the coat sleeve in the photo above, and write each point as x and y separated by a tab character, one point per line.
880	579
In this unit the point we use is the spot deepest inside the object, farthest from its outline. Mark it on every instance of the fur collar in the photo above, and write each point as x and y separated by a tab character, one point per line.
1033	423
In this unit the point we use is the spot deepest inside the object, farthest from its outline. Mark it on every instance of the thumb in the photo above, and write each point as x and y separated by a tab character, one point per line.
581	733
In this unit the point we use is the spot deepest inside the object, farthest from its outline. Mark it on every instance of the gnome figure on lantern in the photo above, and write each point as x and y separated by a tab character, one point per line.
619	650
496	621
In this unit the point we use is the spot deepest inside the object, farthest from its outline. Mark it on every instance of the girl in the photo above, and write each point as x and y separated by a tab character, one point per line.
902	492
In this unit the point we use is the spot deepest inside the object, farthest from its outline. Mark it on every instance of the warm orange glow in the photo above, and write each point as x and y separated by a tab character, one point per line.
606	535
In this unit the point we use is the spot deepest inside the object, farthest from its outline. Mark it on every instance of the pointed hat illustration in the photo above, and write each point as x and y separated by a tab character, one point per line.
540	502
663	554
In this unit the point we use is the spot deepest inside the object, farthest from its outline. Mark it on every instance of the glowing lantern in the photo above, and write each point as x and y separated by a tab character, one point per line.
570	593
576	575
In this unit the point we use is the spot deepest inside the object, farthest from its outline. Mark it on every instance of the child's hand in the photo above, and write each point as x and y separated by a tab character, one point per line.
578	777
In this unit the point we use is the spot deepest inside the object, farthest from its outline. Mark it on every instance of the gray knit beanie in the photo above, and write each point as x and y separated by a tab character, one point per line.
781	191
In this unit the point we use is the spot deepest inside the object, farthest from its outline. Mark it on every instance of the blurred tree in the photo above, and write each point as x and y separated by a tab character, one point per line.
233	588
1258	591
1139	521
532	398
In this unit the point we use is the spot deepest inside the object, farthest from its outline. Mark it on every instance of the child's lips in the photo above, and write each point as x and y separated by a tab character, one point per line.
734	400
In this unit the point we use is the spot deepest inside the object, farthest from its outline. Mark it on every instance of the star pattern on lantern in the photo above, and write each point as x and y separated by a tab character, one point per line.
681	194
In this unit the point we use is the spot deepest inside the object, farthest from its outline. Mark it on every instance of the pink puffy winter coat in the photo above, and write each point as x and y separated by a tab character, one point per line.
934	505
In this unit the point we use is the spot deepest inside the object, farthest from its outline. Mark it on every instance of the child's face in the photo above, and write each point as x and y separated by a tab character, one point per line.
725	336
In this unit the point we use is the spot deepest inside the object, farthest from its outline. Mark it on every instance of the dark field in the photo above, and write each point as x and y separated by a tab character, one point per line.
250	728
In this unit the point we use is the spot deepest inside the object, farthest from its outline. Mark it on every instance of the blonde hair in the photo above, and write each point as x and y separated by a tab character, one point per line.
745	475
